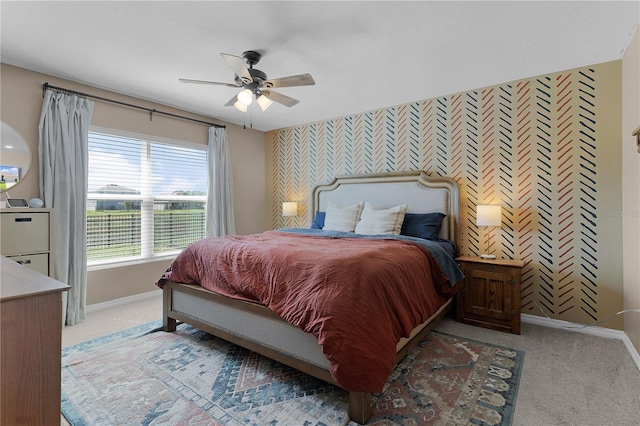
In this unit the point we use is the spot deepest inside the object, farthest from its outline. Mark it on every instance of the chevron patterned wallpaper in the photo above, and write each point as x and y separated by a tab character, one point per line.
546	148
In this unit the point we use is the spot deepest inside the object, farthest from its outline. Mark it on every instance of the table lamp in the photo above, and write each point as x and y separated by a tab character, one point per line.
289	208
488	215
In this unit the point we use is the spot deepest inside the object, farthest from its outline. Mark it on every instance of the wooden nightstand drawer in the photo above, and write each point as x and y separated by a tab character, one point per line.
489	295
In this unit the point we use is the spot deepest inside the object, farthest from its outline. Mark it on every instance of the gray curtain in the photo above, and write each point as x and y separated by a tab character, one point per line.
63	146
220	219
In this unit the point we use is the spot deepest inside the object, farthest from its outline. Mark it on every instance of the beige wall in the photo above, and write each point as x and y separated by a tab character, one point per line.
631	187
21	102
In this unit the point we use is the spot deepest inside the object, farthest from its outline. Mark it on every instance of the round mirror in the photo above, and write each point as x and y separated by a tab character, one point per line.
15	158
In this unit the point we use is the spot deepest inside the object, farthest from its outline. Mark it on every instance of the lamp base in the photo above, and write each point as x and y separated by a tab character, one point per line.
487	256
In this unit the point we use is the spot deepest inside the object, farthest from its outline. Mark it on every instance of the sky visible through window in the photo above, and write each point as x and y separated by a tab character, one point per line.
115	160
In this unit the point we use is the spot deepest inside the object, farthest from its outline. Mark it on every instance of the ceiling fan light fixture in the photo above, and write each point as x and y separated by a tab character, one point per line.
253	82
245	97
240	106
264	102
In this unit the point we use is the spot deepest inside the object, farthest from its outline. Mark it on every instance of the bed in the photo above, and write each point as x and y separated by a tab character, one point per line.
257	328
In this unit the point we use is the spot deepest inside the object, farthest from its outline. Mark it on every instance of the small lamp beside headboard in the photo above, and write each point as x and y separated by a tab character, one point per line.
289	208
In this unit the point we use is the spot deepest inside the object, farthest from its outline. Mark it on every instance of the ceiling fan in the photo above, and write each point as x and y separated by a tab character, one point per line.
255	82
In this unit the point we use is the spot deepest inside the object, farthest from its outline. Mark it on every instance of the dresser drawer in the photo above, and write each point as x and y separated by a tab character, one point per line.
24	233
37	262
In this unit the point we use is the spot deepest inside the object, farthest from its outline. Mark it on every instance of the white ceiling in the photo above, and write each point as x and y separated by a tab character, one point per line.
362	55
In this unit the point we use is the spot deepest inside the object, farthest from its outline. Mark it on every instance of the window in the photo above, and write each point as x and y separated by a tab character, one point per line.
145	198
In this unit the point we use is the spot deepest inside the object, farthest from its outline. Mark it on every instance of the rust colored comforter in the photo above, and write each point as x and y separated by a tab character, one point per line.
357	296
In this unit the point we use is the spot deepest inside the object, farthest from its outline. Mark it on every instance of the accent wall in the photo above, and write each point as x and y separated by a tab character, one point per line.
546	148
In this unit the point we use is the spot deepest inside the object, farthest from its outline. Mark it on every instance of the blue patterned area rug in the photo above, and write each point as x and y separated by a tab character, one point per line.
144	376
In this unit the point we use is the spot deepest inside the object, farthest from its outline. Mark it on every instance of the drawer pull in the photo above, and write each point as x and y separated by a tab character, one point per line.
24	262
23	219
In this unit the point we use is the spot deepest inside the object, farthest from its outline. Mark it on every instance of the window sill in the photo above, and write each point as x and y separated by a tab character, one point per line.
130	262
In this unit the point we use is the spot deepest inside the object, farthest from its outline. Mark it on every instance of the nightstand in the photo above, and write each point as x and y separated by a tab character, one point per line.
489	296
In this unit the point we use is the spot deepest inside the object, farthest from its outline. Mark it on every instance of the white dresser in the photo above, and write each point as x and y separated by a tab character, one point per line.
26	236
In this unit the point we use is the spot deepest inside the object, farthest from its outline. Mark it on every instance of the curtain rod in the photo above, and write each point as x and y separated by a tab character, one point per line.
151	111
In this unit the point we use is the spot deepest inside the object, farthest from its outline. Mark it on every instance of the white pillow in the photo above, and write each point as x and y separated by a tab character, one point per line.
342	218
387	221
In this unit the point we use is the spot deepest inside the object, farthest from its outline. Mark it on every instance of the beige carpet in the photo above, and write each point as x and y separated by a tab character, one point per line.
568	378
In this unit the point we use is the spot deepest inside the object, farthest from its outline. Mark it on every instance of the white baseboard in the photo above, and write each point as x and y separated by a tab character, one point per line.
592	330
123	300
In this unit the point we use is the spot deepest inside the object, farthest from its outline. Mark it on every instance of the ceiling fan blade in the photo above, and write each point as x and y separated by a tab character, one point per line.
290	81
186	80
232	101
280	98
237	65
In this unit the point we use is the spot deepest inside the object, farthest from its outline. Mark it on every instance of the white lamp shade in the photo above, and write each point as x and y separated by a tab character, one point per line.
240	107
264	102
489	215
289	208
245	97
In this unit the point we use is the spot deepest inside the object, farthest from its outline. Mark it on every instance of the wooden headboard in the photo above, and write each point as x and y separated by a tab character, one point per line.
422	194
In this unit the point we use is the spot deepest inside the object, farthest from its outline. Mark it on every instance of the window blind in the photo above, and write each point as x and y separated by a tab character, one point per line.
145	198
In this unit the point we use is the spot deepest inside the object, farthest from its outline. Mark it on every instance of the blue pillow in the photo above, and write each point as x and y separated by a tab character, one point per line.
425	225
318	222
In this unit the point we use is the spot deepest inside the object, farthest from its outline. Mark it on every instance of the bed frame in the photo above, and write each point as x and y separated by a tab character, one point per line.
258	329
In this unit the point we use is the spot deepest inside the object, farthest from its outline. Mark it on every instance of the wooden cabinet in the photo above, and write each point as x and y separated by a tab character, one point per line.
26	236
489	296
30	346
